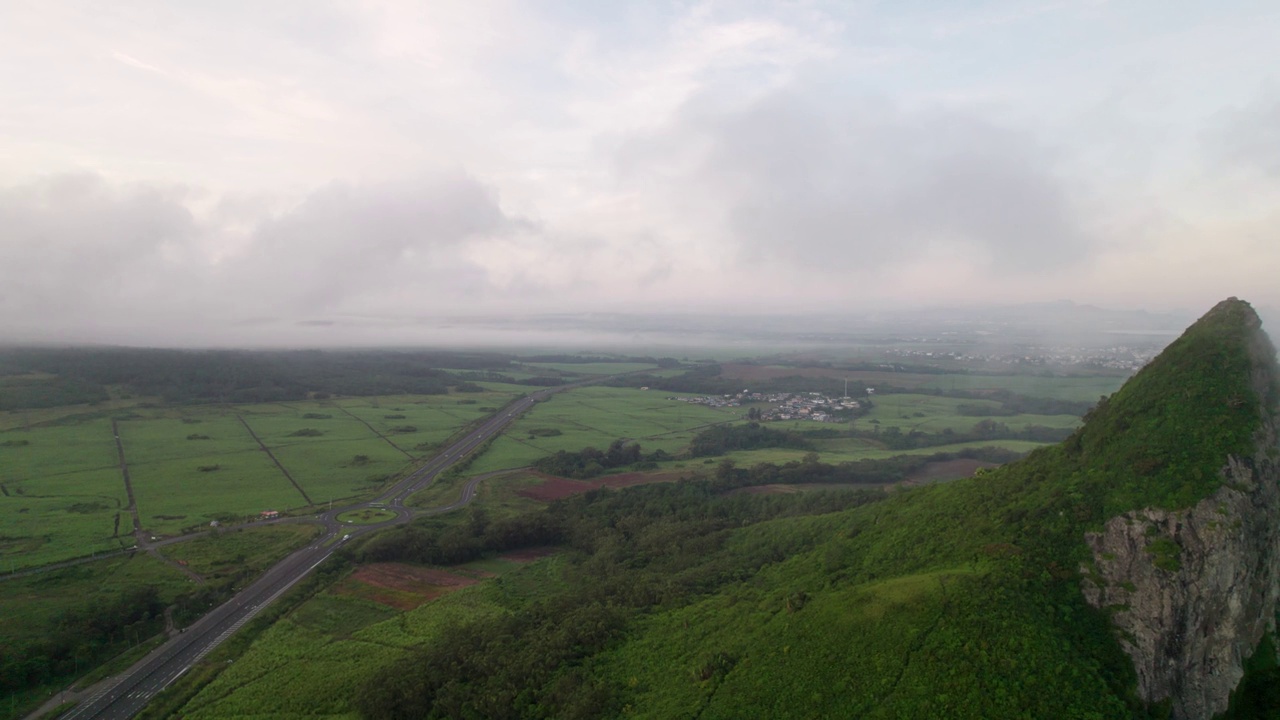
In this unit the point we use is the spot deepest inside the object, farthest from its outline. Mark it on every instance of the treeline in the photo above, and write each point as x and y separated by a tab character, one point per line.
721	439
46	392
81	638
630	552
1012	403
590	462
665	362
894	438
180	376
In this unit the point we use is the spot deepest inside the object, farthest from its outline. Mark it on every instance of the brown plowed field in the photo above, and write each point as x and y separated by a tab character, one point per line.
556	488
403	587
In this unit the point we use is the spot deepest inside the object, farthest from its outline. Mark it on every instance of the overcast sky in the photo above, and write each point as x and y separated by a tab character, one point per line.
199	172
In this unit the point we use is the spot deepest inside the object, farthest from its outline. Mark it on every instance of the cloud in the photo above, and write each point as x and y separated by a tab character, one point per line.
1249	136
348	244
81	255
860	184
69	244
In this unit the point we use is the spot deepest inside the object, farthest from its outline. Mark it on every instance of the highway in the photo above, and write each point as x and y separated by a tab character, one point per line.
126	695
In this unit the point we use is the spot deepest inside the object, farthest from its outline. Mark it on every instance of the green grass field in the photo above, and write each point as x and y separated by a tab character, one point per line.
596	416
62	494
232	552
181	482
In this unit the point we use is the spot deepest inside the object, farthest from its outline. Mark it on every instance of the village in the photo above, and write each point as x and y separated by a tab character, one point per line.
785	406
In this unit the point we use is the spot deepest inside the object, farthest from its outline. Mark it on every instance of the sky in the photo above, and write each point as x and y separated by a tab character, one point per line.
311	172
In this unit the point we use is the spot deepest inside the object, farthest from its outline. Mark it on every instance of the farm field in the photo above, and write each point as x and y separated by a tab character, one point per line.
62	494
241	551
196	469
415	425
596	416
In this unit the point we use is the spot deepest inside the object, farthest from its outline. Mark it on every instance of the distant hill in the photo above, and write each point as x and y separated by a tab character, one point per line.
1131	571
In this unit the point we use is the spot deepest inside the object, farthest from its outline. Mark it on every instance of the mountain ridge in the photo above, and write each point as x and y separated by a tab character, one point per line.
1001	595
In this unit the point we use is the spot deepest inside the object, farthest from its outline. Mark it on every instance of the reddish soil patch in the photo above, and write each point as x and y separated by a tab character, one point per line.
556	488
635	478
945	470
528	555
403	587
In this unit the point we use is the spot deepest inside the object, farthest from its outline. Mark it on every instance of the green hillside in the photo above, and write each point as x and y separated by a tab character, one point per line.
955	600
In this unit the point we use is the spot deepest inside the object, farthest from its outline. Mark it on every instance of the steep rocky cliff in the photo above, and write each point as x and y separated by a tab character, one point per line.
1193	590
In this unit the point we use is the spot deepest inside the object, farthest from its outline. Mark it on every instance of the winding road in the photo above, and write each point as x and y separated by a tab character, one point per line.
125	695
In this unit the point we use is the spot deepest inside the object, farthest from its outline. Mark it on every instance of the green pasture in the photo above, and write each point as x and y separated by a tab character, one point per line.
204	433
343	460
233	552
434	417
66	516
60	493
596	416
28	456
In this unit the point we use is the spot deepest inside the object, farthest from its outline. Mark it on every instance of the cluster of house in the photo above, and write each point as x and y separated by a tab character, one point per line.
786	406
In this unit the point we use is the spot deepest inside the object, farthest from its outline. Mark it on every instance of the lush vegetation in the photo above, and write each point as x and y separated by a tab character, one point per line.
955	600
752	436
57	625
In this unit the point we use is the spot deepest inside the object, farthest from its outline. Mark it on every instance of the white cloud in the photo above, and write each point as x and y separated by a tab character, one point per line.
164	162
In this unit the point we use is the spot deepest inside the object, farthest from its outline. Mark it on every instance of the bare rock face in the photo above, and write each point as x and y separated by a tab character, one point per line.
1193	591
